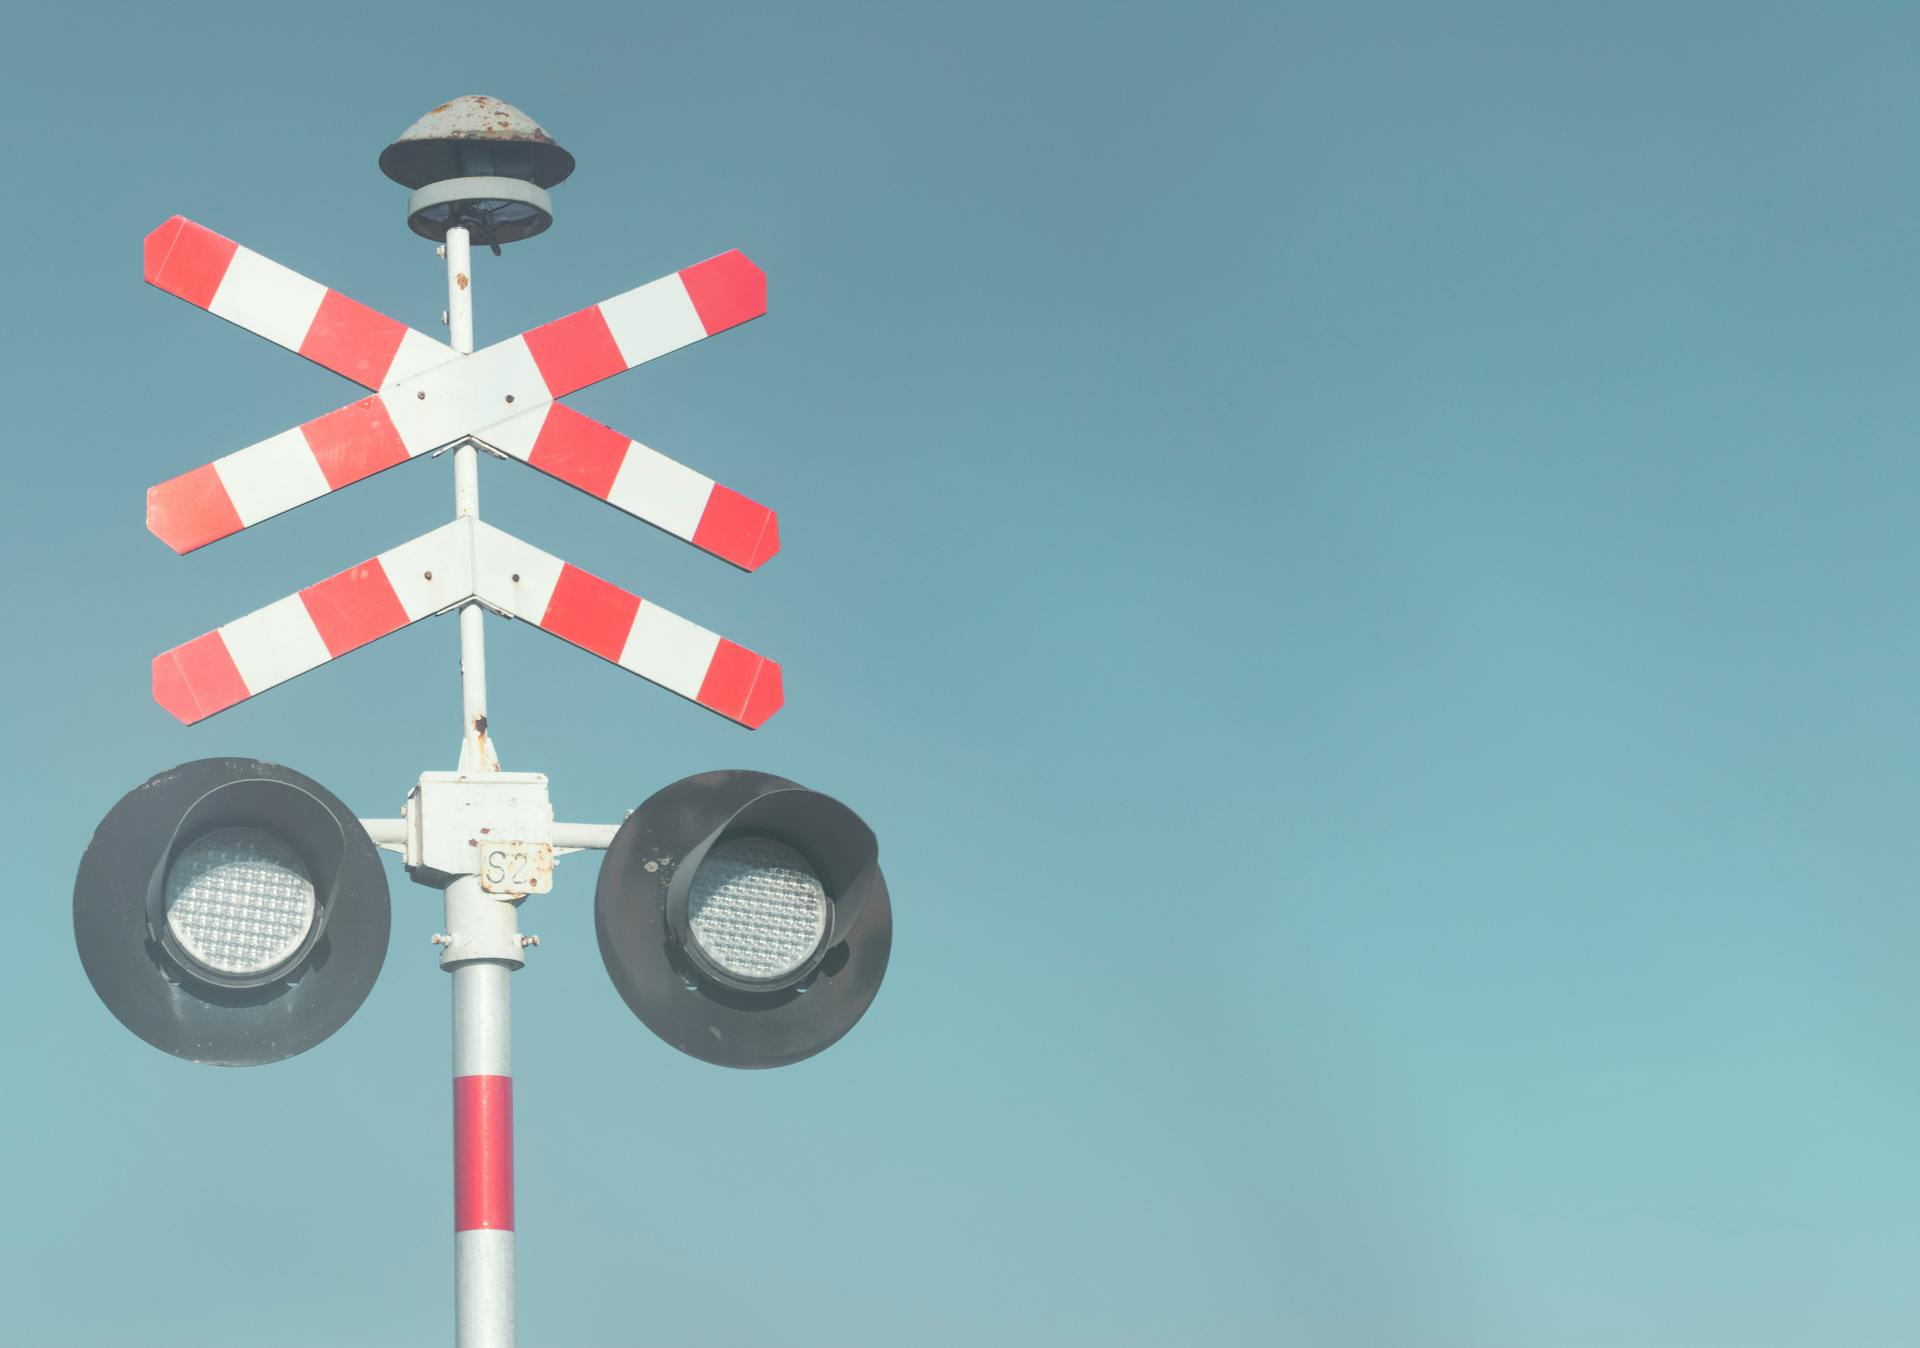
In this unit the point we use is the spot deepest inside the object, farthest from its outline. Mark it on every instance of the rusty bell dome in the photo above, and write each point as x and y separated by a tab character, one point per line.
478	162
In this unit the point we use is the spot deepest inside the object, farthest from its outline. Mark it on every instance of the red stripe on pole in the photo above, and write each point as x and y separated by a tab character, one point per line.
726	291
354	442
735	676
578	450
357	606
192	510
198	679
591	613
574	351
188	260
741	531
352	340
483	1153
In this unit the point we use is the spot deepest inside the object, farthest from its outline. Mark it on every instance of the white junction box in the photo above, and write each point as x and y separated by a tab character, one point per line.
494	825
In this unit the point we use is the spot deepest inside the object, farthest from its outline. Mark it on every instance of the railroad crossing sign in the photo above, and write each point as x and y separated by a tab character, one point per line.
429	396
234	911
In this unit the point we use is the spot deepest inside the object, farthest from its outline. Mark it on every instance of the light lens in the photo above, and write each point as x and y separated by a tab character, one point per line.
756	908
239	901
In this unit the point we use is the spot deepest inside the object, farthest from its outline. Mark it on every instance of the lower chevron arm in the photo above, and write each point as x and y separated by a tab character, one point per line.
438	571
596	615
293	635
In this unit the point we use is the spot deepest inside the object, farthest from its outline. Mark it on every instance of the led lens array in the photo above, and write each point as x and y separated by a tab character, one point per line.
756	908
239	901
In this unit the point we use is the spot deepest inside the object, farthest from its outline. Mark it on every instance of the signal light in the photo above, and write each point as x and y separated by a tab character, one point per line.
231	911
744	918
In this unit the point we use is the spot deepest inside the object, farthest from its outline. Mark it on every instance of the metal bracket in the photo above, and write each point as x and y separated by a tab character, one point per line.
496	826
390	835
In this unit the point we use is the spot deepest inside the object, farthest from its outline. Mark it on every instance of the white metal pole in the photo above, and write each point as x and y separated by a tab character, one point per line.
482	950
483	1311
476	745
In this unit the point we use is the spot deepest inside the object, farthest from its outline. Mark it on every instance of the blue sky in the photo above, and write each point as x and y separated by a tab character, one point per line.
1356	558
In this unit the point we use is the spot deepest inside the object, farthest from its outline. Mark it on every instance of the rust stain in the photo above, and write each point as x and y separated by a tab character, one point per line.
460	279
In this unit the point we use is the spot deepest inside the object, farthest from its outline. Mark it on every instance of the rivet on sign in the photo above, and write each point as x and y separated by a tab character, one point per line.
421	395
509	397
426	575
516	576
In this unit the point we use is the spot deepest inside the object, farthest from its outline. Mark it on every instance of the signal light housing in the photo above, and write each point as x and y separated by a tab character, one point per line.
762	990
190	903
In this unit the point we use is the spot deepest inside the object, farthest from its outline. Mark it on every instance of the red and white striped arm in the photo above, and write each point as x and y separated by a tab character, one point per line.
646	322
462	397
439	571
596	615
250	291
641	481
253	484
322	622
